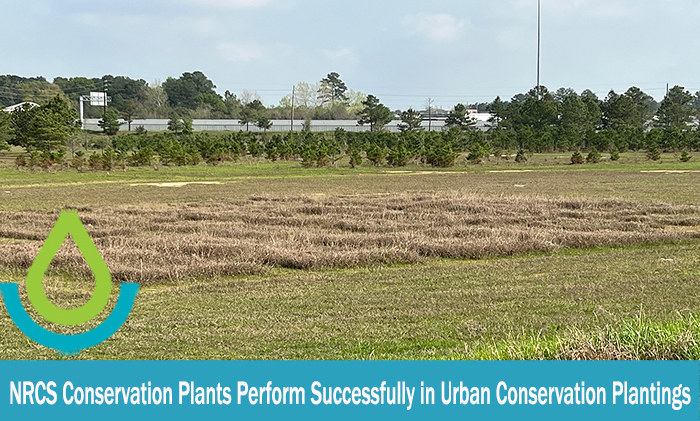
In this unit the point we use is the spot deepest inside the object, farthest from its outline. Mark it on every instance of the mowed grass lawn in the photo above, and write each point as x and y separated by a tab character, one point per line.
436	308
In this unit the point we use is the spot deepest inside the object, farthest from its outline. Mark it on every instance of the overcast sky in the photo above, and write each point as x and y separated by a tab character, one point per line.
402	51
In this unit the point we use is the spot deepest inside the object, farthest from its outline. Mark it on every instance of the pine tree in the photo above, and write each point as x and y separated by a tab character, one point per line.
593	157
376	114
110	122
685	156
653	152
577	158
411	120
615	154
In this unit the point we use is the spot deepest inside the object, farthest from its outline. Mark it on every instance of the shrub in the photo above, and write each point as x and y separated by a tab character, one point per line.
577	158
321	158
109	159
254	148
520	157
309	157
34	159
143	157
615	154
398	156
375	154
271	151
21	161
78	161
593	157
95	161
355	158
653	153
685	156
441	156
476	153
194	158
216	158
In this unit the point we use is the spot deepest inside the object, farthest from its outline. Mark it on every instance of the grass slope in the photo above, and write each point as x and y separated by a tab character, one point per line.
441	309
550	302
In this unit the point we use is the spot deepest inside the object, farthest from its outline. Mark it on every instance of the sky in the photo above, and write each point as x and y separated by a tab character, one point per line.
401	51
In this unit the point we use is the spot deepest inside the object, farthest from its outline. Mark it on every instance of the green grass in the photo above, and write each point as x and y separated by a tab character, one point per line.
637	301
634	339
441	310
41	190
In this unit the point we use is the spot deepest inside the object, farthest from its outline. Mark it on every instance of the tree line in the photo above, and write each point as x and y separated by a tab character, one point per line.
534	122
192	95
541	121
311	149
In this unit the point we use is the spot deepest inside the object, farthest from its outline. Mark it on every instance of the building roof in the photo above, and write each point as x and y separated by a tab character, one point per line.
11	108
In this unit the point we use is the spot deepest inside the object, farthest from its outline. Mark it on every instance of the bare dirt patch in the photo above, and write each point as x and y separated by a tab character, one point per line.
177	184
511	171
670	172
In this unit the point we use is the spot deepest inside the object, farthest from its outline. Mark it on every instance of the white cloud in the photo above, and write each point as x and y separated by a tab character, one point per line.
240	52
232	4
437	27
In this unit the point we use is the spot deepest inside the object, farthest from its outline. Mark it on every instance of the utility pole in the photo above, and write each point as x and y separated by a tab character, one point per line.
291	129
82	111
539	42
430	114
104	89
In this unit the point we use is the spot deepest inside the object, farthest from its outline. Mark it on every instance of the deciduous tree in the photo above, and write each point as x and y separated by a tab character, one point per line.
188	90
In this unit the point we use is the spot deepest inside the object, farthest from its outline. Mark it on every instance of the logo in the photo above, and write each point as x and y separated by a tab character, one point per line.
69	223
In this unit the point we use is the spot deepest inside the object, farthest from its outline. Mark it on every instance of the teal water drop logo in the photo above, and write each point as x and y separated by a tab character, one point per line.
69	223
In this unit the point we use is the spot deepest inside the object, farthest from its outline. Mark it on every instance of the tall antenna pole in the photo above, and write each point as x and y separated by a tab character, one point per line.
539	41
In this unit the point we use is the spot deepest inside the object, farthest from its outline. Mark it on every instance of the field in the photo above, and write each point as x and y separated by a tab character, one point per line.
258	260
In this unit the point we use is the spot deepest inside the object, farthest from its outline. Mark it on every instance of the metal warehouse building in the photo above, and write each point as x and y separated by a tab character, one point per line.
282	125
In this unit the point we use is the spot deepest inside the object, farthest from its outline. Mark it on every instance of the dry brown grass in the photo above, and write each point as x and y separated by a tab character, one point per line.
170	243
